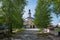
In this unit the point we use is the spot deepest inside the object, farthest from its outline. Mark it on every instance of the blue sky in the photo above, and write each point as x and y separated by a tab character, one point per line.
31	4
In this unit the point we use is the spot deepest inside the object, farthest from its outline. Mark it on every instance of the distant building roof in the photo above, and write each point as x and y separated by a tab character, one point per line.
30	17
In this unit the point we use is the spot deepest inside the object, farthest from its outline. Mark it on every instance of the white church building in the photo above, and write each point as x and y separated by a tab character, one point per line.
29	21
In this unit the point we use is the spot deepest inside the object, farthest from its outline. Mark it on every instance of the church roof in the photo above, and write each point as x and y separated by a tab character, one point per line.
30	17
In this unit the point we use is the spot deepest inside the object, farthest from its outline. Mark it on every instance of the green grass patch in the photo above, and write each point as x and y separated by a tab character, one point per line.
17	30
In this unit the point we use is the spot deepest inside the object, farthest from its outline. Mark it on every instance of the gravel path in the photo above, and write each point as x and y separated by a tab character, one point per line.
31	35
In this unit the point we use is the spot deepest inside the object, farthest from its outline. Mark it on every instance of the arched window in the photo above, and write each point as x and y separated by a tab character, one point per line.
33	26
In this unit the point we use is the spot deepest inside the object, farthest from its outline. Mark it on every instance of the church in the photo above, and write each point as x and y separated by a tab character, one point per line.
29	21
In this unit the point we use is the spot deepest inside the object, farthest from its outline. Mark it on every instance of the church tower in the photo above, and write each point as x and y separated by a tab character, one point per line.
29	21
29	13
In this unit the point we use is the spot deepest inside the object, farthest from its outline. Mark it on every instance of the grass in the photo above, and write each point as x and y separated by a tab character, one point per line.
8	34
17	30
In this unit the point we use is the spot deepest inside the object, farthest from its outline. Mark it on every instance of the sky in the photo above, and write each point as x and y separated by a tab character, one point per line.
31	4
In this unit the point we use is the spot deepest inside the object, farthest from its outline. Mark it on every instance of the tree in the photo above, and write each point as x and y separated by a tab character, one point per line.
13	10
42	14
56	9
2	17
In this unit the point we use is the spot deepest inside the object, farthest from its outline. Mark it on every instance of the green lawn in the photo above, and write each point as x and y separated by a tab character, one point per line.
17	30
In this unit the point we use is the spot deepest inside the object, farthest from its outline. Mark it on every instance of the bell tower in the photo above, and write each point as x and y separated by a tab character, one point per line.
29	13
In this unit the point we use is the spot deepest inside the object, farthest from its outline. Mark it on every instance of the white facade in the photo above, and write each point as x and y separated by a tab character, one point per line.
29	21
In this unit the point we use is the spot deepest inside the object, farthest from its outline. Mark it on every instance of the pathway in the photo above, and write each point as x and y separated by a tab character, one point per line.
31	34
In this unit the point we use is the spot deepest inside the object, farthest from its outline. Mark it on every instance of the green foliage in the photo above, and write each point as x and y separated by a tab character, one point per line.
56	7
42	14
2	17
13	10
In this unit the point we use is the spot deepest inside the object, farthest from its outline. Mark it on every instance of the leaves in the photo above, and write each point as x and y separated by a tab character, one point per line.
13	10
42	14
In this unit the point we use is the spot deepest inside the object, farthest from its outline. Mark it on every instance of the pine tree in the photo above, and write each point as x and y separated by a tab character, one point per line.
13	10
42	14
